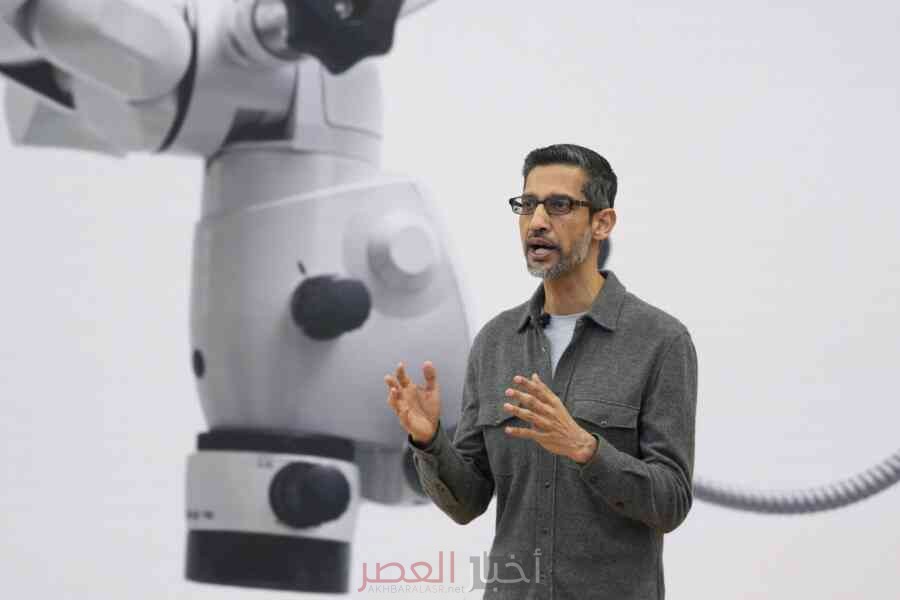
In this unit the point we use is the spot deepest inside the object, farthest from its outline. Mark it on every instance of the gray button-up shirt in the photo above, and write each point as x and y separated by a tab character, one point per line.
564	530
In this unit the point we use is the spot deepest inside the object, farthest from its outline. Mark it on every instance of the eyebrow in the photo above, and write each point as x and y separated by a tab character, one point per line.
550	195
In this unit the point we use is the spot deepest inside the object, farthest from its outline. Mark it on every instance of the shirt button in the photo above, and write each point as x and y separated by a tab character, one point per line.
593	479
545	530
546	484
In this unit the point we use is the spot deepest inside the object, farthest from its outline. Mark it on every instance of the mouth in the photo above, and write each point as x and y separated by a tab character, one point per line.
540	250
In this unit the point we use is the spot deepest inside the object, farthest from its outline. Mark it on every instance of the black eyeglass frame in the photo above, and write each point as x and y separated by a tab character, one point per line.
516	202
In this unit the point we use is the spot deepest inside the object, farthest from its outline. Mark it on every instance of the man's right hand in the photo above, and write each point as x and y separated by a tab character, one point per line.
418	408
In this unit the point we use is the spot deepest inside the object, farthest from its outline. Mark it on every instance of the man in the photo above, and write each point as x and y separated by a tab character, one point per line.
578	409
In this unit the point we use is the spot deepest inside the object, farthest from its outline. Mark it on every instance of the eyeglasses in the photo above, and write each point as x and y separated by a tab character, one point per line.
555	205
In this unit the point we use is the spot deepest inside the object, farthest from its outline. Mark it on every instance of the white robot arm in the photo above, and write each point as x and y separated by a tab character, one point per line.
177	75
308	261
94	65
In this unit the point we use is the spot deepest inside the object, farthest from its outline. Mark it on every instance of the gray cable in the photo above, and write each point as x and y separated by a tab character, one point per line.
826	497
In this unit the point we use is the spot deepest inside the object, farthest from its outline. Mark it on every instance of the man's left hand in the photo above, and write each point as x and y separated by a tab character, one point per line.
552	425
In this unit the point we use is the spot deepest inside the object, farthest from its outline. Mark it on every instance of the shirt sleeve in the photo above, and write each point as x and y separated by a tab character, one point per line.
456	474
655	488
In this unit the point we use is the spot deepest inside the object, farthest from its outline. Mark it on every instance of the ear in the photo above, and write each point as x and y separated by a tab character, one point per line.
602	223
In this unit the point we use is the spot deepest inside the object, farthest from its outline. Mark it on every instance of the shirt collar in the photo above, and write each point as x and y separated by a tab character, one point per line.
604	310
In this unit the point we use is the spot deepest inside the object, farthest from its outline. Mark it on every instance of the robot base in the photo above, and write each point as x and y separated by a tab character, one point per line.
268	561
271	510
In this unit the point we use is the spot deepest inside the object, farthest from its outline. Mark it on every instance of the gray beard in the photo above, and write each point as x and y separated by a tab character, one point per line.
566	262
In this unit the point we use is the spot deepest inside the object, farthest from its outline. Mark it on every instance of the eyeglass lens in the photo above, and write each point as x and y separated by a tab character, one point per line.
556	205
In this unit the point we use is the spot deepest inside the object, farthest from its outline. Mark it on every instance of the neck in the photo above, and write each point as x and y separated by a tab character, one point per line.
572	293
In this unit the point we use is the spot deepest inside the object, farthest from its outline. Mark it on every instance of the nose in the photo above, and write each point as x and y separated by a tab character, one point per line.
540	215
540	219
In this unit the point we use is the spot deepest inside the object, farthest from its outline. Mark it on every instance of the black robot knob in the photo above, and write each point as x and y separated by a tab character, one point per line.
307	494
340	33
324	307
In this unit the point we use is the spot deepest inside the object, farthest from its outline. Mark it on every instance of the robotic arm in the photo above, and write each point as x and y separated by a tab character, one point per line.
307	259
73	65
120	75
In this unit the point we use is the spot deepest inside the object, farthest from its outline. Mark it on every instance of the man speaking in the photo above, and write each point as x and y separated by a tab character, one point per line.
578	408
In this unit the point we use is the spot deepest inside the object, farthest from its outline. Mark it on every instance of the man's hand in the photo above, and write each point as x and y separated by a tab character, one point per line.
552	425
418	408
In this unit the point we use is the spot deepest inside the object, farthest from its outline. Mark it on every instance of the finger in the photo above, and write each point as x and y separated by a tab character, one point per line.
398	402
533	401
528	401
527	415
528	384
391	381
522	432
393	399
539	390
539	384
402	377
430	374
396	396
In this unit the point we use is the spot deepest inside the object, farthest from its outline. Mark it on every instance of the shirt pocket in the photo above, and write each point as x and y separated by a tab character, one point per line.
616	423
507	455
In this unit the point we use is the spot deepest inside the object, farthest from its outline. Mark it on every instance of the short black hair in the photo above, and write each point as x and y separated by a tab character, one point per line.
600	190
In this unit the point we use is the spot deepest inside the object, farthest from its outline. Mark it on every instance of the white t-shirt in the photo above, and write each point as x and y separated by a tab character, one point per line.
560	330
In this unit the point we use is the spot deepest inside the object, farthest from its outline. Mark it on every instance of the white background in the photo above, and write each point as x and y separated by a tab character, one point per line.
756	149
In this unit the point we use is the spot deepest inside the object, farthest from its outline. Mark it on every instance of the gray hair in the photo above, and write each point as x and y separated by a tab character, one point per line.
600	190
